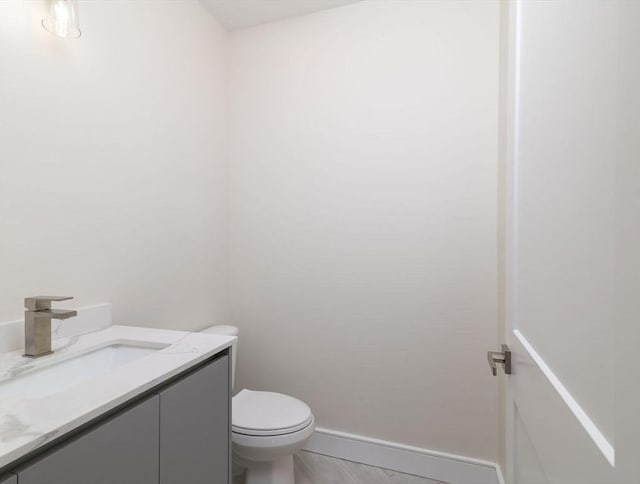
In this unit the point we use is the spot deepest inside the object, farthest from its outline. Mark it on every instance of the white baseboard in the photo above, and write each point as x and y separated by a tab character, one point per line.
439	466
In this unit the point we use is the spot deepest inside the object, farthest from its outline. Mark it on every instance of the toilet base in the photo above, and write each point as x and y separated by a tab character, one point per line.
279	471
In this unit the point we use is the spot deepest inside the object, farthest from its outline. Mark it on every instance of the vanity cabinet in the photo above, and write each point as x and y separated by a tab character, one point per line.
122	450
8	479
194	427
177	433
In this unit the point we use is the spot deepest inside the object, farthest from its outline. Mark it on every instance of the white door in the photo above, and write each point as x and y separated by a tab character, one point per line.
573	242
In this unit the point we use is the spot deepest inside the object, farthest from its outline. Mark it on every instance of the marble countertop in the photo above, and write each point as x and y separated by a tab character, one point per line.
28	422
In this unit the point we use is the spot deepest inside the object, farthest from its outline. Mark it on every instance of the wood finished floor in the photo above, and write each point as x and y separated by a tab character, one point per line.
313	468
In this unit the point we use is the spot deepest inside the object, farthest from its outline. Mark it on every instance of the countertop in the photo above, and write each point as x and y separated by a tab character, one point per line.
27	423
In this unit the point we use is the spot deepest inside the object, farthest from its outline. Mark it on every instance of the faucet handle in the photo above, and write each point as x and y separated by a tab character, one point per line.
40	303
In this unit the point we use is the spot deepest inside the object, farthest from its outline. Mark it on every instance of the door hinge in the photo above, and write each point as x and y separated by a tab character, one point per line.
503	357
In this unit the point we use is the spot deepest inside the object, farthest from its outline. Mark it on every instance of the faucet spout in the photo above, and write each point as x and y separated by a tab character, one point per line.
55	313
37	323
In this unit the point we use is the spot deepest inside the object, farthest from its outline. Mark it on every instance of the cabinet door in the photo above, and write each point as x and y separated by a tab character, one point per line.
121	450
8	479
195	428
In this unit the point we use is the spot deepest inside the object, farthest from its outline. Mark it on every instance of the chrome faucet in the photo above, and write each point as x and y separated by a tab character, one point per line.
37	323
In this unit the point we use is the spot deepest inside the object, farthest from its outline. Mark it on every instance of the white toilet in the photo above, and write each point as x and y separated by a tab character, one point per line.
267	428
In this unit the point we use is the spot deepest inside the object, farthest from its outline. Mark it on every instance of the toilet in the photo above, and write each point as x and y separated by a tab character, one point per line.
266	428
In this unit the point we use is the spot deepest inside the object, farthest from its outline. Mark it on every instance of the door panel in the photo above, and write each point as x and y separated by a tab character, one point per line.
573	212
530	470
562	448
566	194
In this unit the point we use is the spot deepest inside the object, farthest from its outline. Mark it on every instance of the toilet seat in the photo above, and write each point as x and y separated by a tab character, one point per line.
268	414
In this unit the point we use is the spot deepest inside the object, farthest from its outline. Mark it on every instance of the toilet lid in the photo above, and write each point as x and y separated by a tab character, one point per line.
267	413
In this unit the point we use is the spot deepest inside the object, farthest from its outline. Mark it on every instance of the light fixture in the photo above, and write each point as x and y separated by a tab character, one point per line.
63	19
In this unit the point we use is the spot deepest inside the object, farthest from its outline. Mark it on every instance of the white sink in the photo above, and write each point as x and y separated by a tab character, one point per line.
62	374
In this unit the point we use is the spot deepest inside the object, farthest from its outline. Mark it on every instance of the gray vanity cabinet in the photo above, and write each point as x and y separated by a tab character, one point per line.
195	427
8	479
180	433
121	450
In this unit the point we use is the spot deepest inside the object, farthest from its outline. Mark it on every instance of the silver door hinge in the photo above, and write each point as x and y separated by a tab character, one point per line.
503	357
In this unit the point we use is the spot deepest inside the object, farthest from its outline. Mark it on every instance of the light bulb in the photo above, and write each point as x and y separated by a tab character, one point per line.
63	19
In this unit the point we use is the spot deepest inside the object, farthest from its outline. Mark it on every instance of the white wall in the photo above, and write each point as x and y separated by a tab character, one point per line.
113	167
363	155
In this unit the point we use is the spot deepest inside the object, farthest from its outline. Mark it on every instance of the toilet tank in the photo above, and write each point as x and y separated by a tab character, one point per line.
227	331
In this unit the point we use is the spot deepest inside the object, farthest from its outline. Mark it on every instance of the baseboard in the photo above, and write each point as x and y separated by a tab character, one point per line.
439	466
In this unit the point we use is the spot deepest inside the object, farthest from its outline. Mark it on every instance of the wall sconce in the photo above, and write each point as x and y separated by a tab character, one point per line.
63	19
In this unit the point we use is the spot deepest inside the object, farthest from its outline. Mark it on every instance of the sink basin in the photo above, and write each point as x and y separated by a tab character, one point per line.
73	370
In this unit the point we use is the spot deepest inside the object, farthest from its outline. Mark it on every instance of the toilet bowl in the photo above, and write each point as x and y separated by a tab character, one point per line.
266	430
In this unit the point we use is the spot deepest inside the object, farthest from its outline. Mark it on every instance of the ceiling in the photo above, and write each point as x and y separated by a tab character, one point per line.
238	14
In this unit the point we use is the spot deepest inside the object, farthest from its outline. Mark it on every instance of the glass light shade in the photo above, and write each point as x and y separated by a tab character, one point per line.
63	19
